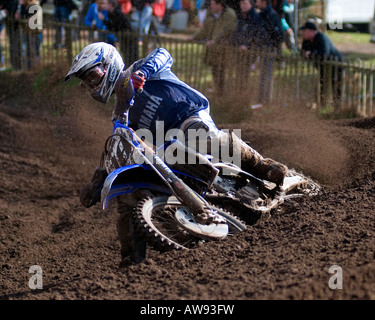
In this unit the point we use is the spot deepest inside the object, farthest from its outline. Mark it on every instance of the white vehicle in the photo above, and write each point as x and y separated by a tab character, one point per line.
349	12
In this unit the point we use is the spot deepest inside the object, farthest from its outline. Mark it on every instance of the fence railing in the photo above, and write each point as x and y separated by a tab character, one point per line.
294	81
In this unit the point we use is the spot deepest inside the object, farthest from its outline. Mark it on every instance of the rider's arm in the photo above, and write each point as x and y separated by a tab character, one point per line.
157	61
124	95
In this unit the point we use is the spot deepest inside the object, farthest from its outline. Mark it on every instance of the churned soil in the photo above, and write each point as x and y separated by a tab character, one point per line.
46	157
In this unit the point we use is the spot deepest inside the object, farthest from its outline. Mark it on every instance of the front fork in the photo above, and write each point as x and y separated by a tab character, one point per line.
198	206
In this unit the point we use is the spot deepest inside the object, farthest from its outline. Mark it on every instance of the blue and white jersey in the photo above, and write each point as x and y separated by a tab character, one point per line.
165	97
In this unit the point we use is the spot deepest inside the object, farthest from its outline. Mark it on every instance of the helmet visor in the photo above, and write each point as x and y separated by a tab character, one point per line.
92	78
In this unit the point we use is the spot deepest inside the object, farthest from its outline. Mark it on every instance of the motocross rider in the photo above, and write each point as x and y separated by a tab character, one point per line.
157	95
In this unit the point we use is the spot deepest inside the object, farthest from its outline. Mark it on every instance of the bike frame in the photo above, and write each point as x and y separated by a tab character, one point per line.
154	175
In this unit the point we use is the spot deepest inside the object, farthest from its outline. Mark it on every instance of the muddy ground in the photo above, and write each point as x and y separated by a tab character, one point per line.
46	156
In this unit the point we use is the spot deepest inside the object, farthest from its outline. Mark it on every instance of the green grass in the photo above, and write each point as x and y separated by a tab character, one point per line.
351	40
40	81
348	37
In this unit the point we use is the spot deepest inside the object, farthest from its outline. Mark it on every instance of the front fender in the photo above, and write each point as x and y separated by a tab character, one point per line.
128	179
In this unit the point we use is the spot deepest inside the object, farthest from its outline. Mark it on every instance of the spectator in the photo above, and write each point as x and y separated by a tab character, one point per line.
32	38
158	13
92	20
272	23
3	15
201	7
234	4
288	10
250	33
12	28
186	6
82	11
277	5
63	9
126	6
288	25
177	5
141	17
169	10
217	33
249	38
319	47
119	23
274	38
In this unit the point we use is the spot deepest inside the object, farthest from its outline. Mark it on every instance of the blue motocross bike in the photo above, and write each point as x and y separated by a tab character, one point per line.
181	205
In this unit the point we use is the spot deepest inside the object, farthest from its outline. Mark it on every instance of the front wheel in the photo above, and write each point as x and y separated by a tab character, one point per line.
302	186
154	219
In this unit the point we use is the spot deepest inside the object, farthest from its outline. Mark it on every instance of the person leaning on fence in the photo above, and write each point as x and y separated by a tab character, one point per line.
249	38
217	32
318	47
173	102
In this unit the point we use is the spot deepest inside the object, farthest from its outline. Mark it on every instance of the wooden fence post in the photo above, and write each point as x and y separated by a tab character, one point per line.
68	43
328	90
359	89
364	103
371	90
325	93
145	42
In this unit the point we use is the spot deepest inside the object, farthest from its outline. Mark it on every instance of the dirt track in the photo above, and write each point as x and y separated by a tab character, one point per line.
45	159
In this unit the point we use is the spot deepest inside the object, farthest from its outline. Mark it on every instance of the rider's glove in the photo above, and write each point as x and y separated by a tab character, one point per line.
138	79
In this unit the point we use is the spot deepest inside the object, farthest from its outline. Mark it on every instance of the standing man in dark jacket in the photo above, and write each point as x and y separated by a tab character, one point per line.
250	37
272	23
275	36
319	47
119	23
250	33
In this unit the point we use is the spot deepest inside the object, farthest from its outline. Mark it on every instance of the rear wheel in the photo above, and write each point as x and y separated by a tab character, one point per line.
154	219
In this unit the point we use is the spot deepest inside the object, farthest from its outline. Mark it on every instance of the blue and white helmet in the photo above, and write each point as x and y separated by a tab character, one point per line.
99	66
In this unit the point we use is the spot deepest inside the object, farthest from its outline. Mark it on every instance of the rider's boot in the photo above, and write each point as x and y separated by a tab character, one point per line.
133	254
253	162
90	193
133	247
